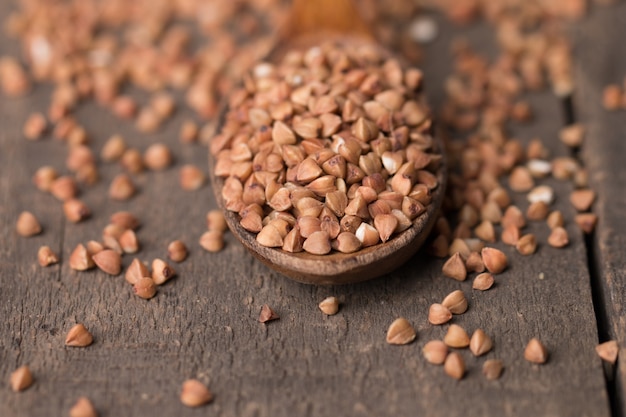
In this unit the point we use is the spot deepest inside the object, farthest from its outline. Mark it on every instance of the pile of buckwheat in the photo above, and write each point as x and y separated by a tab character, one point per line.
329	149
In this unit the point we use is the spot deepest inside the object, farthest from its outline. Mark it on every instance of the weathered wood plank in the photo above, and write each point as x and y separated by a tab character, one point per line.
600	61
204	323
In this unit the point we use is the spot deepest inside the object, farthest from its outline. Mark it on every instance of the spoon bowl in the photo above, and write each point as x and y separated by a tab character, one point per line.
335	267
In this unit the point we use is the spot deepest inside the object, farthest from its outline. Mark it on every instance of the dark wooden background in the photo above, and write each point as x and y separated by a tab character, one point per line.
204	324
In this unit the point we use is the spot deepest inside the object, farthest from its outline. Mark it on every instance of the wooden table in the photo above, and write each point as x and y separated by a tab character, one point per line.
204	323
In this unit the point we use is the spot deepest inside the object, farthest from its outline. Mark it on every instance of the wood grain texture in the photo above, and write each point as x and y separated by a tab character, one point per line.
203	324
598	64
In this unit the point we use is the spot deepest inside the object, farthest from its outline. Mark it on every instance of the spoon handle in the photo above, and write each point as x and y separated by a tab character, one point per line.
310	17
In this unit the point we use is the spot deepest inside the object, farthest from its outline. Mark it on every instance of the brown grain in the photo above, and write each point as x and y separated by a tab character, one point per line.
582	199
586	222
158	157
494	259
492	369
267	314
162	271
113	149
46	257
195	394
13	79
329	306
177	251
108	261
128	241
135	271
435	352
535	352
212	241
191	177
21	379
145	288
188	132
455	302
480	343
400	332
483	281
27	224
215	221
527	244
78	336
537	211
132	161
608	351
572	135
121	188
521	180
125	220
35	126
454	365
474	263
439	314
456	337
318	243
612	97
44	177
75	210
83	408
558	238
455	267
80	259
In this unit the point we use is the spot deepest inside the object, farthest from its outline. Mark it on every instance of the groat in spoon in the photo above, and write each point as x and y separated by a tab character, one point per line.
325	164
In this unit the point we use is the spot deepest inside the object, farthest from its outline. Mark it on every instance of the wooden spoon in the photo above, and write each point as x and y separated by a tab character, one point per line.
310	22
